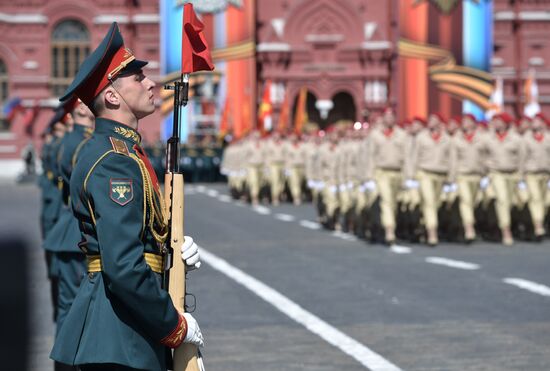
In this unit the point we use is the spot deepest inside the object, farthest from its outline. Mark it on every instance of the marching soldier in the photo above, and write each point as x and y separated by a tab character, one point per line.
253	154
384	166
467	170
121	318
430	166
329	172
537	171
505	156
295	166
275	154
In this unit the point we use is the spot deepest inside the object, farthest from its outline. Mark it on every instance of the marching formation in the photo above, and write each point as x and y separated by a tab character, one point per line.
422	180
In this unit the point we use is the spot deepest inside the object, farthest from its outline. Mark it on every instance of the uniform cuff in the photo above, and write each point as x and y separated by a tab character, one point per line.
177	335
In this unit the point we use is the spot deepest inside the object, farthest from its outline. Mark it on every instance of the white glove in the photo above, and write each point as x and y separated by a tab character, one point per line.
522	186
320	185
311	184
453	187
333	189
342	187
548	185
190	254
194	334
411	184
370	185
484	182
350	185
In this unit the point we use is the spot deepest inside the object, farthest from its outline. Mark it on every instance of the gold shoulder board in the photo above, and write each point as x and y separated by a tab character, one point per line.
119	146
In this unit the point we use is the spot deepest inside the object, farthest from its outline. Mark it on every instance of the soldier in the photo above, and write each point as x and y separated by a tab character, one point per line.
295	152
505	156
384	166
410	196
253	155
467	170
51	197
537	171
121	318
329	173
430	165
70	261
313	170
275	154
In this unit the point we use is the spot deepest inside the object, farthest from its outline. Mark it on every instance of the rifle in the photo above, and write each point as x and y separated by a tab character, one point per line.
187	356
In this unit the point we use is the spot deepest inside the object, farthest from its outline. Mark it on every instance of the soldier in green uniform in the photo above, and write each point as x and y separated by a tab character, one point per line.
51	196
70	261
121	318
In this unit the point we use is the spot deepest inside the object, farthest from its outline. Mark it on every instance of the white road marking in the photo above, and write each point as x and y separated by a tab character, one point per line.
212	193
201	188
537	288
189	191
398	249
285	217
309	224
344	236
452	263
262	210
224	198
365	356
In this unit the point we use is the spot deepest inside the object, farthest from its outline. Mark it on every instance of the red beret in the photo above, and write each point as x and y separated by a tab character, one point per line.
504	116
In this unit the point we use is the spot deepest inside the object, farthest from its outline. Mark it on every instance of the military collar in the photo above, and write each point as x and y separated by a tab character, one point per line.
116	129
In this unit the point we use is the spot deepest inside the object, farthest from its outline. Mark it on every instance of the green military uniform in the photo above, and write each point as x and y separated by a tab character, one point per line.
123	303
51	208
121	315
70	260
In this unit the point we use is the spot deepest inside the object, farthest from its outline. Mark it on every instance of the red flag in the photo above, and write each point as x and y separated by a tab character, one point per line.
284	115
195	55
300	117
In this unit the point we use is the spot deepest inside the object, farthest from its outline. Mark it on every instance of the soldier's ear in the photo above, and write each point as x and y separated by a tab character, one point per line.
111	97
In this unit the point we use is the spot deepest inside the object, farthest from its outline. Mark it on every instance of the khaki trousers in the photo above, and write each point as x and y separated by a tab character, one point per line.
468	188
295	181
361	199
276	180
253	178
430	192
388	184
537	185
330	198
504	185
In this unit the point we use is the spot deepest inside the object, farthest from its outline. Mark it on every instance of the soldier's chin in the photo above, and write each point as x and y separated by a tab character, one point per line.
145	112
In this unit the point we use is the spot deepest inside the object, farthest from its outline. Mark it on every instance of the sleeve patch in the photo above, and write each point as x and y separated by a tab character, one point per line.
121	190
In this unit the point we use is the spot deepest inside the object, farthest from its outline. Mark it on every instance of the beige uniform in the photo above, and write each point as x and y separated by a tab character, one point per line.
275	156
313	168
329	176
430	164
295	168
467	170
253	153
505	157
384	164
537	173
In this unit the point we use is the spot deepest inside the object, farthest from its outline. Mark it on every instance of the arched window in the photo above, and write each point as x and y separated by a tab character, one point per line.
3	93
70	46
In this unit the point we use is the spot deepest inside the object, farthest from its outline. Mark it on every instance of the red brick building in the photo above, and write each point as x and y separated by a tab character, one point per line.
521	43
41	45
344	52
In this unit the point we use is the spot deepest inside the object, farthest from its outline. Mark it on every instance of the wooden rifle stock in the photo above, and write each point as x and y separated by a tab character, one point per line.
185	356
